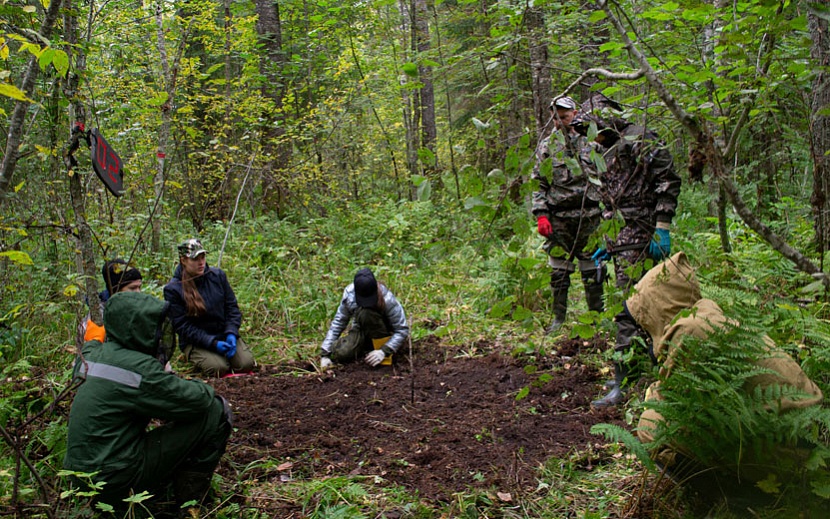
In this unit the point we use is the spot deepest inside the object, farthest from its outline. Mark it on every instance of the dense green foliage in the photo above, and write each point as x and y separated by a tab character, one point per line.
291	214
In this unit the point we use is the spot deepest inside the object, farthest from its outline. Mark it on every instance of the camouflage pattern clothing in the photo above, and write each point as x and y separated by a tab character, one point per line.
641	185
569	198
566	195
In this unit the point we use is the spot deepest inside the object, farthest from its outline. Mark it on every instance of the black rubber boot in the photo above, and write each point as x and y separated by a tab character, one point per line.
593	290
616	395
560	282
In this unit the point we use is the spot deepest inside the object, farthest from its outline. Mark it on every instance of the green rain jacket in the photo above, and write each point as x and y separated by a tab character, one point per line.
125	387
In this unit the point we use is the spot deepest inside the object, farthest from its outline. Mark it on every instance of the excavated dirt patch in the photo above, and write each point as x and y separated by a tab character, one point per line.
446	423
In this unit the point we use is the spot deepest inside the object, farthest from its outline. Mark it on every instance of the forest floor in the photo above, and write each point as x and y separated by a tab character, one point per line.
436	424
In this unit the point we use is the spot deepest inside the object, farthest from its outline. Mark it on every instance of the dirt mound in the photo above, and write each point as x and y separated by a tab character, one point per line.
446	423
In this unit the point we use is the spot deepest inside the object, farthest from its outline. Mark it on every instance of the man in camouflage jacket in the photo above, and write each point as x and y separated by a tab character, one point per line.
639	184
566	208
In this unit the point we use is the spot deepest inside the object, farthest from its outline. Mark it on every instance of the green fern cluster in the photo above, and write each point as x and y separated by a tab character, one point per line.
714	412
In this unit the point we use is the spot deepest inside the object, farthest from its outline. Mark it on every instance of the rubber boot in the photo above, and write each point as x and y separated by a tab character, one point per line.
593	293
616	395
627	329
560	309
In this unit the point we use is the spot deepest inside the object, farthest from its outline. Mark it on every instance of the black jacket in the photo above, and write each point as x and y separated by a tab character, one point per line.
221	317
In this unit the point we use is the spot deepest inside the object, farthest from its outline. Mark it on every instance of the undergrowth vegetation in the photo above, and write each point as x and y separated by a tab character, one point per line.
463	275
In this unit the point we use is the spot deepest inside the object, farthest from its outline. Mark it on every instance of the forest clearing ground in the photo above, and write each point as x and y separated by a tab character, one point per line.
449	423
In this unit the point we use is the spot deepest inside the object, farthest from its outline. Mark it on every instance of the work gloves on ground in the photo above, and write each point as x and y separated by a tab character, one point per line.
374	358
227	347
660	247
600	255
543	226
325	363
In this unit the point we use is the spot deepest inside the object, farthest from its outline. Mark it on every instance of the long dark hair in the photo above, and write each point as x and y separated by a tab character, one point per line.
193	303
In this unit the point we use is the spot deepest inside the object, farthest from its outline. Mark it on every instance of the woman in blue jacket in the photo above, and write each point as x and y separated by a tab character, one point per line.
205	314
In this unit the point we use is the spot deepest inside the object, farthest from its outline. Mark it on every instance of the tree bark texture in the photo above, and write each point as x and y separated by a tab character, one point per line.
15	132
539	70
820	126
77	115
168	77
427	91
276	151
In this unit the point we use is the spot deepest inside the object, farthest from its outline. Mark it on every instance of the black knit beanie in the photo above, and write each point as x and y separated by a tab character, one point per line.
117	274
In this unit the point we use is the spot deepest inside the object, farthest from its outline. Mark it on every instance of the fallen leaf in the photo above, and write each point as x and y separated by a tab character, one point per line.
505	496
285	466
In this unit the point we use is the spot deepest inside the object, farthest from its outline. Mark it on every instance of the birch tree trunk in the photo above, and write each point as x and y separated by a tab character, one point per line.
169	79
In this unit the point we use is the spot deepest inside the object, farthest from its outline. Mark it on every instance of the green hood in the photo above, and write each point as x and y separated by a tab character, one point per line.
132	320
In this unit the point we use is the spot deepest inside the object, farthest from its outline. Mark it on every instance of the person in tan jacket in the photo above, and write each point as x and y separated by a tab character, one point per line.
667	304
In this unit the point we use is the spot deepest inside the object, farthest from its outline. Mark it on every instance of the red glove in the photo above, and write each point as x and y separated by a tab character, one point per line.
543	226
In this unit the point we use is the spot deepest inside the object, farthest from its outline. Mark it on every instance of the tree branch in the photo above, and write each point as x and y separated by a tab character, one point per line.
715	156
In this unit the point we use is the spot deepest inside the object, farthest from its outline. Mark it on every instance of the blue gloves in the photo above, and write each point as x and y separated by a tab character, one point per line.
660	247
600	255
227	347
231	339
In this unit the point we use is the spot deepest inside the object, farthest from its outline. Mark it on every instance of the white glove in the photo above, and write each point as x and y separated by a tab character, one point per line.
373	358
325	363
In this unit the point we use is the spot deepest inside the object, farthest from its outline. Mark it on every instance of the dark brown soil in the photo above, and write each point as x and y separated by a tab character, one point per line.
448	423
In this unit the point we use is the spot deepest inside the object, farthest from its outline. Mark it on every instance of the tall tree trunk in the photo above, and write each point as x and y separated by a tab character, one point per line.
410	99
77	121
716	32
820	127
276	151
15	131
540	72
169	75
427	91
594	35
448	100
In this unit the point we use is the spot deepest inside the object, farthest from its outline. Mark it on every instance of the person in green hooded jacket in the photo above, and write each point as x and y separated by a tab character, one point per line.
124	386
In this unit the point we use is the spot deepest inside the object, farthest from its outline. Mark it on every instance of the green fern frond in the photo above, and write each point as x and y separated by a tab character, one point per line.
715	410
617	434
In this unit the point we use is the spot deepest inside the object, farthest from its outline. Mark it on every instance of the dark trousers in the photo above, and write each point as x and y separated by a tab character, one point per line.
216	365
368	324
193	447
